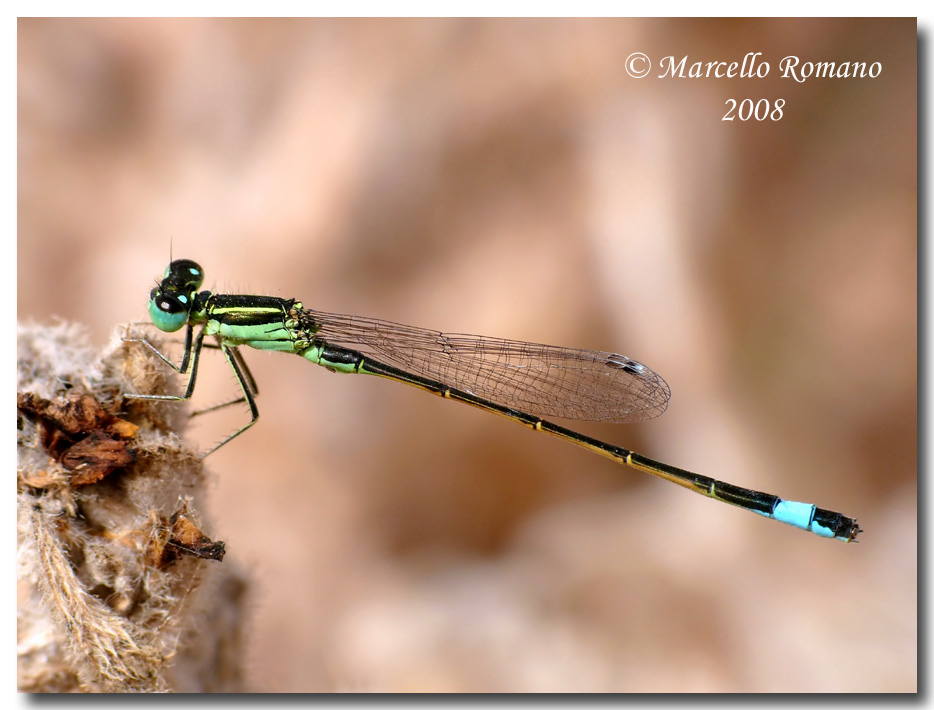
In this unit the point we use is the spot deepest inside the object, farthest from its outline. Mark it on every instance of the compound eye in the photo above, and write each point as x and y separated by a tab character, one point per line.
168	313
185	273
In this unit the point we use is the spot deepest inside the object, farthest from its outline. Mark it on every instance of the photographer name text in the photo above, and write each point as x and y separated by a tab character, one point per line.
752	67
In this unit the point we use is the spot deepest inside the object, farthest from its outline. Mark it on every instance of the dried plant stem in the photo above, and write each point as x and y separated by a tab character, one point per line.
119	588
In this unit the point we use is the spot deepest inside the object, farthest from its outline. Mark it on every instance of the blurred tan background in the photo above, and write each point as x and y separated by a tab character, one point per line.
508	178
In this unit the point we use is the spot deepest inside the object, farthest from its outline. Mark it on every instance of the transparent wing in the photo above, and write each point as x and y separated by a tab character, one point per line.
542	380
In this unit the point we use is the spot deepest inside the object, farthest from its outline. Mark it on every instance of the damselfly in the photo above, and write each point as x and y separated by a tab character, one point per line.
517	380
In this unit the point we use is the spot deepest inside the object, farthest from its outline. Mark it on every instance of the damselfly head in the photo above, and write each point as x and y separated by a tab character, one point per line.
171	301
